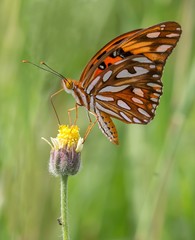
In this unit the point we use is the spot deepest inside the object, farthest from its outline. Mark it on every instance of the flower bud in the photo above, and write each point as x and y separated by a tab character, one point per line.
64	161
65	155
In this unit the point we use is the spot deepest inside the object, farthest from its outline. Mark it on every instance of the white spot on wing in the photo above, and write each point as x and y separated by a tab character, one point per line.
154	105
142	111
123	104
114	54
92	84
157	87
136	120
124	74
142	60
125	117
154	85
152	66
155	75
154	99
104	98
163	48
153	34
162	27
136	100
140	70
159	90
138	92
107	76
106	110
170	35
114	88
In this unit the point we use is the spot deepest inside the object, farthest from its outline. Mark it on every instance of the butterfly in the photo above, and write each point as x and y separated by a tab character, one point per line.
123	79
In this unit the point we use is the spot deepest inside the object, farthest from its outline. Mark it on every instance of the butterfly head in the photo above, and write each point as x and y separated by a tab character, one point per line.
68	85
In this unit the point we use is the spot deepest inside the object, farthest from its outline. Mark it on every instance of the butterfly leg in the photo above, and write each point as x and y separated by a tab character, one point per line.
69	114
91	125
53	95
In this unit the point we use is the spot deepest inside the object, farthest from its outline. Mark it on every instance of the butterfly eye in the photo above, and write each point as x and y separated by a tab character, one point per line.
68	83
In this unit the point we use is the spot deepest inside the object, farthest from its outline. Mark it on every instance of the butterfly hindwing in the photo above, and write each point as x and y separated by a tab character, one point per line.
129	90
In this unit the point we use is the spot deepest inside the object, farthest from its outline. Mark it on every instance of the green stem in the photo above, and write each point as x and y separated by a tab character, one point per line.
64	207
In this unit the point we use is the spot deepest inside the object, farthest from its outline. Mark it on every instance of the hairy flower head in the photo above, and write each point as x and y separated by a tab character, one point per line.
68	136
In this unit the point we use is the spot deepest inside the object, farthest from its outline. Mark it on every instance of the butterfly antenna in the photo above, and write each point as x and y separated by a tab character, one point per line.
51	69
46	68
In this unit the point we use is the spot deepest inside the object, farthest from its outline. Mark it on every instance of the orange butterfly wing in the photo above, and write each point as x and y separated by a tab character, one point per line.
134	43
129	90
123	79
107	48
156	42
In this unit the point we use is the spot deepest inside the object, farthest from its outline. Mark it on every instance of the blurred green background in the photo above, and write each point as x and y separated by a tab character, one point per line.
141	189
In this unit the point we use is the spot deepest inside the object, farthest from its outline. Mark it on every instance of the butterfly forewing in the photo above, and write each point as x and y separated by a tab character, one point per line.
101	53
155	42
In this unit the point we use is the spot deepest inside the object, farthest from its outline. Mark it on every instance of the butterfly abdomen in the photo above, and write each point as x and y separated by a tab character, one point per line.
107	126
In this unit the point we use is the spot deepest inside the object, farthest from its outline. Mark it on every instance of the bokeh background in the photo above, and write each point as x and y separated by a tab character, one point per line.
142	189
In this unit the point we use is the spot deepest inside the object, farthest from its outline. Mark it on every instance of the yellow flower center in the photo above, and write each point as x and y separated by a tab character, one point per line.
68	135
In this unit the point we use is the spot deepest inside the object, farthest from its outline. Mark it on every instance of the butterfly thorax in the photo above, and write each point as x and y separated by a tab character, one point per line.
78	92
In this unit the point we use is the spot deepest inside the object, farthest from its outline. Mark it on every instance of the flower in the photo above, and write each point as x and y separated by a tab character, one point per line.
65	155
